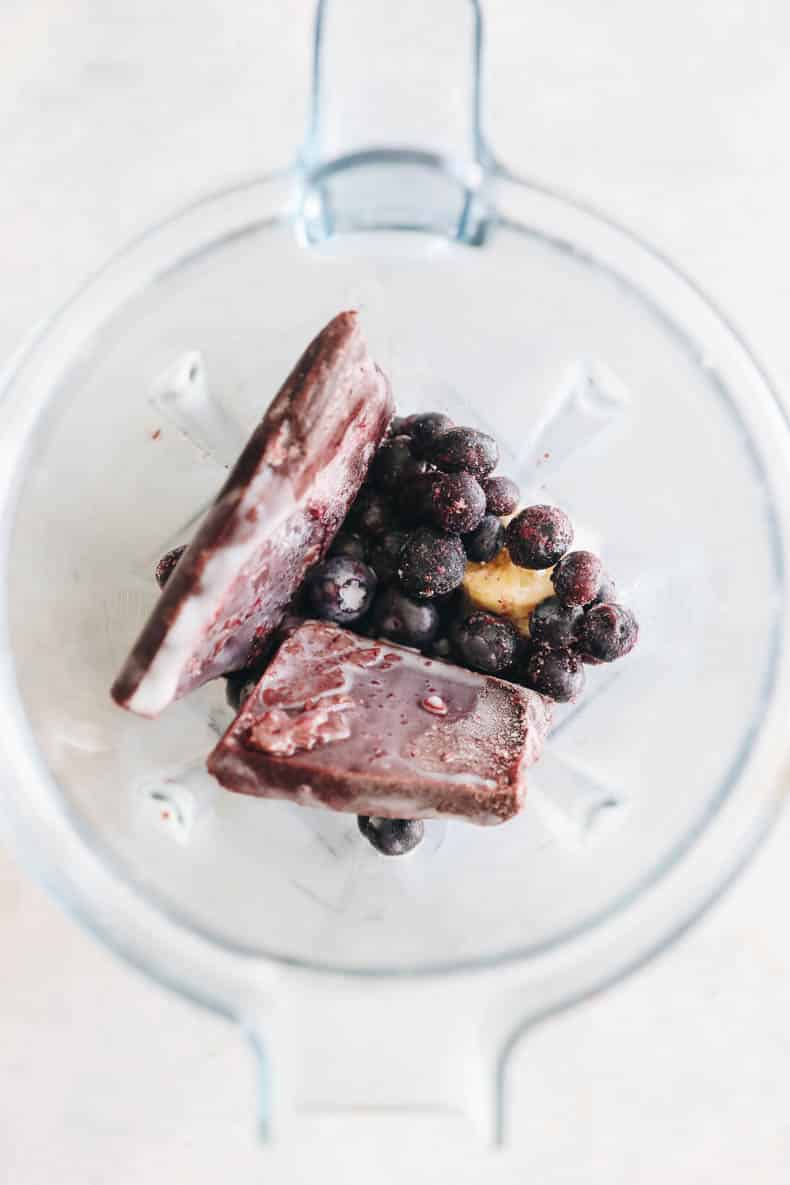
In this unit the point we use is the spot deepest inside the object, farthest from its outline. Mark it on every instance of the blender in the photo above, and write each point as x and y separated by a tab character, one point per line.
619	392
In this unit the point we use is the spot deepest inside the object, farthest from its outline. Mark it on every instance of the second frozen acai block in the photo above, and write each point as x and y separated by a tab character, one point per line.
275	516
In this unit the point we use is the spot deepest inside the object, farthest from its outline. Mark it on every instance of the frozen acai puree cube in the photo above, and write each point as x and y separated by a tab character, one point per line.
354	724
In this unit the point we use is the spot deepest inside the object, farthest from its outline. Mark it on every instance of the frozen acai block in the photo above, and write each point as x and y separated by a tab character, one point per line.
354	724
275	516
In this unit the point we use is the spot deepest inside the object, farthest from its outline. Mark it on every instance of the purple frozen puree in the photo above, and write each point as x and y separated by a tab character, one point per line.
359	725
275	516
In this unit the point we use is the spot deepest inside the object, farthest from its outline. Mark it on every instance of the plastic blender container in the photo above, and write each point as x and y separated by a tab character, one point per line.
618	391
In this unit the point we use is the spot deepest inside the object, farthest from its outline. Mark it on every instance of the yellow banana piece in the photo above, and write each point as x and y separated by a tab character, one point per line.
501	587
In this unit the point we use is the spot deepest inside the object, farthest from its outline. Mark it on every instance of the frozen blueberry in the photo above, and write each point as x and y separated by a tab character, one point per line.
238	686
486	542
385	555
432	563
392	837
442	648
502	495
606	632
372	513
398	426
451	605
538	537
557	674
292	620
164	569
553	623
577	578
608	590
452	608
464	448
413	502
424	429
394	464
399	618
348	544
457	502
341	589
485	642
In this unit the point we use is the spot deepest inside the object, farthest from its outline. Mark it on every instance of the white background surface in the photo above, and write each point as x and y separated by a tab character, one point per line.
674	117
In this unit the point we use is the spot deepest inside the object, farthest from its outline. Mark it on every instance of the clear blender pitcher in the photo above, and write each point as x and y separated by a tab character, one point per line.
618	391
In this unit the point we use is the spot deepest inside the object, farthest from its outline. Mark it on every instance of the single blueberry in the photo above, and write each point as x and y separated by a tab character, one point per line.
606	632
557	674
485	642
238	686
538	537
341	589
398	426
414	502
399	618
577	578
385	555
442	648
394	464
554	624
349	544
608	590
372	513
432	563
457	502
502	494
464	449
164	569
424	429
392	837
485	543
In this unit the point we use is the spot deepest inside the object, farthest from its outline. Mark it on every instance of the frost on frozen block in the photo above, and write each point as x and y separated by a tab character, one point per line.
275	516
353	724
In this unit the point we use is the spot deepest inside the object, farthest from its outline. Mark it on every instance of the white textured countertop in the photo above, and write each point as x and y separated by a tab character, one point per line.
672	116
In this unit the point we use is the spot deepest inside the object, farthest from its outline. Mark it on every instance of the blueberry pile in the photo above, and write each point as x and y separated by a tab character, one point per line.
582	623
431	504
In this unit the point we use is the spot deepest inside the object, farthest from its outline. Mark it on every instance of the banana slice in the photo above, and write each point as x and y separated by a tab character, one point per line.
501	587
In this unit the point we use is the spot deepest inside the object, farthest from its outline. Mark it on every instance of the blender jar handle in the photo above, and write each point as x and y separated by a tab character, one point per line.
344	1049
394	135
405	75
